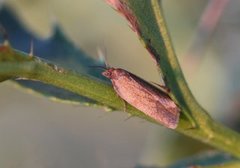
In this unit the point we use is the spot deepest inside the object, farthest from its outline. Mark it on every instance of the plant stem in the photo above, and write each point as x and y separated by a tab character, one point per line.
212	133
154	35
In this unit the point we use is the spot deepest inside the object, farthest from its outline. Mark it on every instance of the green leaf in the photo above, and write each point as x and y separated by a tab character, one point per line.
209	158
57	49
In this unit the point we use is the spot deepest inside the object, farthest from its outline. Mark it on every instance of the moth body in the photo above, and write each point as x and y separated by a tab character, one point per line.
144	96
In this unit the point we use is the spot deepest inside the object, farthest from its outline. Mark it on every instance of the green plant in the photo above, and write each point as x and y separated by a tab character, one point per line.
147	20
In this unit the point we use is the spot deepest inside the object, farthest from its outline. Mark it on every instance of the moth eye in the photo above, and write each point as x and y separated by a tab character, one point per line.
107	74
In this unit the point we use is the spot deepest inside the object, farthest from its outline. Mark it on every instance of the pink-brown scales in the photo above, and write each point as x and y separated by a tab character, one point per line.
144	96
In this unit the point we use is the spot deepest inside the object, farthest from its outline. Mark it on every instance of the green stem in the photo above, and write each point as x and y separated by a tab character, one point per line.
32	69
154	35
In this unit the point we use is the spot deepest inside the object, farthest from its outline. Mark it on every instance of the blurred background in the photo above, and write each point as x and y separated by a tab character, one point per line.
37	132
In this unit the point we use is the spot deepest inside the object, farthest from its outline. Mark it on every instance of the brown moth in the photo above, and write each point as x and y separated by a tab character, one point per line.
144	96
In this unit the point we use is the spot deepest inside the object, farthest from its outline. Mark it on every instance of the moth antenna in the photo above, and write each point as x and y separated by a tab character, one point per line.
97	66
31	48
162	87
5	35
102	55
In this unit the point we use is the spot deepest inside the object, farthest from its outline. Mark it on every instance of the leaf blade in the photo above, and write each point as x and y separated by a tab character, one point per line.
57	49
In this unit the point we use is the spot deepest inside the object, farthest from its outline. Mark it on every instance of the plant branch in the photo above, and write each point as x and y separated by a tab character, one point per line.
153	33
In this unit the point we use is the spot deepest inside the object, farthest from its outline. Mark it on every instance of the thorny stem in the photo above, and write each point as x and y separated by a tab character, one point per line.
15	64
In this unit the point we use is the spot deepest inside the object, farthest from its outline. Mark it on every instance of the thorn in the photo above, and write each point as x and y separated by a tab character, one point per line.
53	19
191	128
5	35
6	43
31	48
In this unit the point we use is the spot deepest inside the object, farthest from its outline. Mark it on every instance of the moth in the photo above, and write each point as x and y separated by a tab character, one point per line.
145	97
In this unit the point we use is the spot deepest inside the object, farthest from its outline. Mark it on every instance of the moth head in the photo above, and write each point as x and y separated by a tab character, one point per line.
109	73
114	73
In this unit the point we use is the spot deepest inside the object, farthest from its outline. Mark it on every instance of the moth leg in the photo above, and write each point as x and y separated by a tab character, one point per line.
129	117
125	110
124	105
164	88
192	127
193	123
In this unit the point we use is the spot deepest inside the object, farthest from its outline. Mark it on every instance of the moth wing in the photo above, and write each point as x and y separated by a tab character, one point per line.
162	97
169	105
